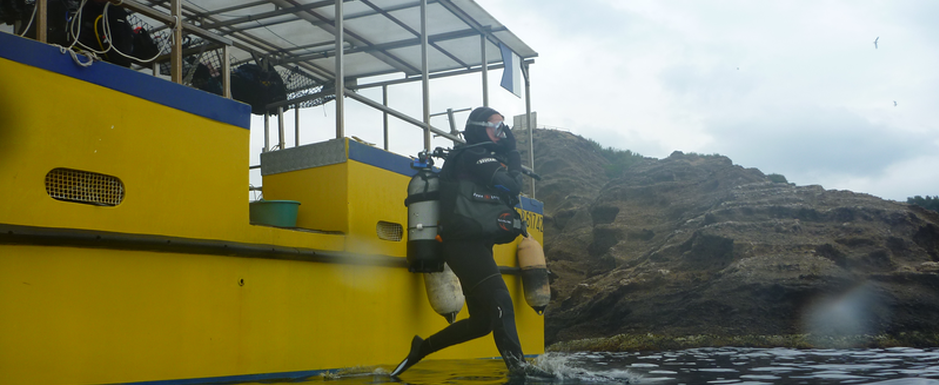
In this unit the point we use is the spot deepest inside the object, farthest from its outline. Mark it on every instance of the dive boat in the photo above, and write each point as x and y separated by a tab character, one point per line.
129	249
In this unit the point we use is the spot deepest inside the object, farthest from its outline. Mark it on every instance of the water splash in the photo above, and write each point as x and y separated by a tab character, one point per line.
569	368
725	365
354	372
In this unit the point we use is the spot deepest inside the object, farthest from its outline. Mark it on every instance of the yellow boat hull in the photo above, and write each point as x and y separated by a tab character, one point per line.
174	283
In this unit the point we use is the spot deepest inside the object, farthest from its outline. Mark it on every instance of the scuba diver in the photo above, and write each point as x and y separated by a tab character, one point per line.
489	159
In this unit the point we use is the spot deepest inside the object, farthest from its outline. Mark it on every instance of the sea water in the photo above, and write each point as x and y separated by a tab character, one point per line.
892	366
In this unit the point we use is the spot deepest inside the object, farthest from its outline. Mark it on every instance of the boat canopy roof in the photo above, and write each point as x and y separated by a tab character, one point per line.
381	37
321	50
384	42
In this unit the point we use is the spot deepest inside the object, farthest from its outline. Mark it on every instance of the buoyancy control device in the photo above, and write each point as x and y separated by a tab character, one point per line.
444	293
469	210
534	274
423	203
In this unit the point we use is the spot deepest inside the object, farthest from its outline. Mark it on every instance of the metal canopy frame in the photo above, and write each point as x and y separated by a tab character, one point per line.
340	44
416	39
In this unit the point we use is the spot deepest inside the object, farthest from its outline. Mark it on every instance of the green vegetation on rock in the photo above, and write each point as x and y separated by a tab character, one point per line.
620	160
929	203
777	178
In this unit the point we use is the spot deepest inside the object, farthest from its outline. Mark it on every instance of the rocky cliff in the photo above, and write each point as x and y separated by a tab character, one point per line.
695	245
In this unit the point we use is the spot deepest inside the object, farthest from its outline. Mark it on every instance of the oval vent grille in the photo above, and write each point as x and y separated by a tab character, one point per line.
84	187
390	231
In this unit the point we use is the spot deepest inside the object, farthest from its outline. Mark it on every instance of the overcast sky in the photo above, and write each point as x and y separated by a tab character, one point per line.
789	87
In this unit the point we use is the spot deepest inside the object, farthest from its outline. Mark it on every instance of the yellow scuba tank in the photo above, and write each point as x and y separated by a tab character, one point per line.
534	274
444	293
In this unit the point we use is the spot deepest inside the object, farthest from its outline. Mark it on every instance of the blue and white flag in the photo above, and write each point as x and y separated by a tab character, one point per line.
512	73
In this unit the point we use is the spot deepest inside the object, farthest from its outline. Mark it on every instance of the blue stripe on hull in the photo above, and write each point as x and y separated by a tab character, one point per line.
115	77
380	158
401	165
284	376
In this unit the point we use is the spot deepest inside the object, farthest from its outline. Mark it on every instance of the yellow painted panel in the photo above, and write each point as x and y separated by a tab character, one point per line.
92	315
321	191
98	316
379	196
183	174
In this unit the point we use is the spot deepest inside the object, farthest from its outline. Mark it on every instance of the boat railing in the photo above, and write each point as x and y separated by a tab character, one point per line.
231	35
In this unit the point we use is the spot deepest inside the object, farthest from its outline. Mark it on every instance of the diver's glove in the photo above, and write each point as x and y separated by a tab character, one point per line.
513	161
508	142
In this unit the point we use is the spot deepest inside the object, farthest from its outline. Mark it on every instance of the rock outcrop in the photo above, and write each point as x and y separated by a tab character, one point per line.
693	244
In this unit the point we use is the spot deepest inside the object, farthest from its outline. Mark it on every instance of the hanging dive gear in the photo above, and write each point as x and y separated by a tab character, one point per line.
444	293
258	85
534	274
423	201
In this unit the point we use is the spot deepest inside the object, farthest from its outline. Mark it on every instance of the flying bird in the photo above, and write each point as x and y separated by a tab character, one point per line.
894	103
875	42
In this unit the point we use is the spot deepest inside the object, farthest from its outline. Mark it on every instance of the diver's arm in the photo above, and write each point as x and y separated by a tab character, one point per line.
507	181
486	169
509	178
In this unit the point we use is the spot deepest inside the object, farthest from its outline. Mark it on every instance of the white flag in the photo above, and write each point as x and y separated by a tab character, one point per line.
512	73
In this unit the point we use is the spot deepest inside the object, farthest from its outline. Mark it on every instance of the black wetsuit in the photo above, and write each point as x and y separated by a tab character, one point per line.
487	297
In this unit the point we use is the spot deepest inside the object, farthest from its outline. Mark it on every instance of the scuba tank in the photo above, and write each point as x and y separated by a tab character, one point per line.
424	253
444	293
423	203
534	274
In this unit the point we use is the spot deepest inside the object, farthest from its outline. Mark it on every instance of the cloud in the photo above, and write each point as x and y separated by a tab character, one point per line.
901	180
806	140
812	99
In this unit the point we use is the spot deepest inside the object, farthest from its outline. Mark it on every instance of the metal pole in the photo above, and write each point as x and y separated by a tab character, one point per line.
485	70
384	102
296	126
42	22
226	72
176	55
453	130
398	114
447	112
267	133
438	75
531	130
452	121
150	11
340	82
281	143
425	79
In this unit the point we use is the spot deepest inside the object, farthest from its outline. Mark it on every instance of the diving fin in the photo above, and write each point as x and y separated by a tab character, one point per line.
413	357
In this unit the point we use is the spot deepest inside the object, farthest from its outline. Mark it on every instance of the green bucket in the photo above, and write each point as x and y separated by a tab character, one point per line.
280	213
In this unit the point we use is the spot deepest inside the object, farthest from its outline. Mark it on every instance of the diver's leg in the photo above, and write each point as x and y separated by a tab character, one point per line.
477	325
472	262
502	319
